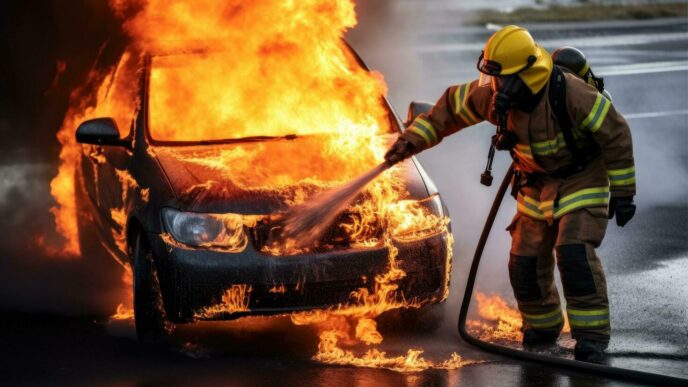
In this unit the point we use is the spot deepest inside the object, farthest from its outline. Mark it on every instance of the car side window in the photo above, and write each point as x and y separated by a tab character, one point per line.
121	94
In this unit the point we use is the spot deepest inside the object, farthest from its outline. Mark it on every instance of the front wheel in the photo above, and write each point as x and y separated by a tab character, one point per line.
152	326
426	319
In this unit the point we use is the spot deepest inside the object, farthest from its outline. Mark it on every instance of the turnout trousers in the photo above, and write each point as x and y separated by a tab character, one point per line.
573	238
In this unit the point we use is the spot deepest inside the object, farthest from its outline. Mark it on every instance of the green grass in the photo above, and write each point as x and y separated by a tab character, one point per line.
583	12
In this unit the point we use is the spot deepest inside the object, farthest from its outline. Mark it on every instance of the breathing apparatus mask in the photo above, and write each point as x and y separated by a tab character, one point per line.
506	93
509	91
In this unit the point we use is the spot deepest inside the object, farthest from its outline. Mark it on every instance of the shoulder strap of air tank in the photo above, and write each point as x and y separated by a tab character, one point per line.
557	100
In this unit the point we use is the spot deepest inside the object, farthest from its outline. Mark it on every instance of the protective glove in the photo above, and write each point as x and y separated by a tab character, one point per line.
400	150
505	140
623	208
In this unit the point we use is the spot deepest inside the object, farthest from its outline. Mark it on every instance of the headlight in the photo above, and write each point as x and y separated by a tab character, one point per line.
225	231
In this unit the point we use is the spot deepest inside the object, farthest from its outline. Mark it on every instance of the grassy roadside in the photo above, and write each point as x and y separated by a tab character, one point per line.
583	12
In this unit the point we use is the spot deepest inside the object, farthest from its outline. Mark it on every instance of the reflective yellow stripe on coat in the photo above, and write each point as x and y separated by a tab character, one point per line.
424	129
548	147
589	197
551	147
597	114
623	176
462	109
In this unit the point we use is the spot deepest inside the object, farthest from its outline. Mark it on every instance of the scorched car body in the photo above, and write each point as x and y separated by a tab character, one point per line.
130	189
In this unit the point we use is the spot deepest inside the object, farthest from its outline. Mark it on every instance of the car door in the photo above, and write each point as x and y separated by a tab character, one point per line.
114	181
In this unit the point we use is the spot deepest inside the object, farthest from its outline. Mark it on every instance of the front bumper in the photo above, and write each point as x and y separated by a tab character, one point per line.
193	279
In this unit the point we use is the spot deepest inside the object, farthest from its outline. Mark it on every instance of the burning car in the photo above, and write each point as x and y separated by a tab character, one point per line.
186	195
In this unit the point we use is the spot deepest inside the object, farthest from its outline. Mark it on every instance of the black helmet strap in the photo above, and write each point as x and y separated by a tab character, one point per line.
491	67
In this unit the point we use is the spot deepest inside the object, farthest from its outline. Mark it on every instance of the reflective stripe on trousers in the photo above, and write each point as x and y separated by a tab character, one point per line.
552	319
583	319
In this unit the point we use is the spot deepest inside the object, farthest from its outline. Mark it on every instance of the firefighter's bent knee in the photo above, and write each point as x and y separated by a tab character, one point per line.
523	276
576	275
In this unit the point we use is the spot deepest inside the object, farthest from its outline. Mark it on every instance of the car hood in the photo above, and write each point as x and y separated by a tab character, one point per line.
263	177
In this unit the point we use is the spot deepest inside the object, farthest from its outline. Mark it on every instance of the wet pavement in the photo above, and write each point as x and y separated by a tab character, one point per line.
59	350
646	262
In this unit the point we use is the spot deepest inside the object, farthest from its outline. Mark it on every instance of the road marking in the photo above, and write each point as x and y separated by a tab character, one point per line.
606	71
642	68
656	114
591	41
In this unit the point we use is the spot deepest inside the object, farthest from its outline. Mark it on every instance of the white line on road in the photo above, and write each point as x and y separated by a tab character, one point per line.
590	41
642	68
605	71
656	114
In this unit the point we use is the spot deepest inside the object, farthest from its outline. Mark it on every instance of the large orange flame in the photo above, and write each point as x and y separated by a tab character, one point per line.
231	69
111	98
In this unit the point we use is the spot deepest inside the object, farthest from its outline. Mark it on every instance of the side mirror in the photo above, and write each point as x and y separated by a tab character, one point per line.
99	131
415	109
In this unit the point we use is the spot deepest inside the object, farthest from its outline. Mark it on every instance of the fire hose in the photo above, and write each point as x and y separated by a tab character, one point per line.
598	369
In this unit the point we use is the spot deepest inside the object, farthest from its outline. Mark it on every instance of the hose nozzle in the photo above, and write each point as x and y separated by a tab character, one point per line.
486	178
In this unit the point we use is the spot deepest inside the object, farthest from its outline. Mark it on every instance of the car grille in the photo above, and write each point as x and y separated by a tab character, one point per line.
335	238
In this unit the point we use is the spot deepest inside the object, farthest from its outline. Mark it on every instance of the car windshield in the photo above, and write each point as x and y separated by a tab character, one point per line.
221	97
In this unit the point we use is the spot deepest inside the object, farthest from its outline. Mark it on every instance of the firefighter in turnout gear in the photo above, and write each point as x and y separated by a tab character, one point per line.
573	158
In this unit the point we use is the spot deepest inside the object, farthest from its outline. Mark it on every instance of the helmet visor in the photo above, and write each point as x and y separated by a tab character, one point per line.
485	80
490	67
487	66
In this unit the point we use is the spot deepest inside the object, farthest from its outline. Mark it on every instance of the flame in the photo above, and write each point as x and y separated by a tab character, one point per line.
235	299
123	313
334	324
235	69
500	320
125	310
104	94
281	289
330	352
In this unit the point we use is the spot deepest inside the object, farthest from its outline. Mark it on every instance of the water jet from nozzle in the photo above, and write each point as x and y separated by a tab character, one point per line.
305	224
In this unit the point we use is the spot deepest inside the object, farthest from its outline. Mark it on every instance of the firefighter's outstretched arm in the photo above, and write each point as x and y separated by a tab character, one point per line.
596	114
459	107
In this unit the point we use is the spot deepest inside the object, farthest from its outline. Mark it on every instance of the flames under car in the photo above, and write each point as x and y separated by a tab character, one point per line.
194	220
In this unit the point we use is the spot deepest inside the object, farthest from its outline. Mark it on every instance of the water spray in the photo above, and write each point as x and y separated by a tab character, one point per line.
304	225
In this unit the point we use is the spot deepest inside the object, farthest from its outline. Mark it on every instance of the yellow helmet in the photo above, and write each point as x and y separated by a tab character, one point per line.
512	50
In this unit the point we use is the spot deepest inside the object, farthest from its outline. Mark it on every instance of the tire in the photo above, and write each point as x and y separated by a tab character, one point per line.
426	319
152	326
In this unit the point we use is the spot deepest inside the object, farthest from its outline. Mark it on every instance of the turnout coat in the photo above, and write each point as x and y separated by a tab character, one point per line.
541	149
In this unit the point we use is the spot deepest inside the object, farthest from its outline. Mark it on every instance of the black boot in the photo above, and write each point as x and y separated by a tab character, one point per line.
533	337
590	351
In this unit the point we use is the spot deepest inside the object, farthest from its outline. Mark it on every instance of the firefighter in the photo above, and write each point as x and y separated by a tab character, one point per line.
565	190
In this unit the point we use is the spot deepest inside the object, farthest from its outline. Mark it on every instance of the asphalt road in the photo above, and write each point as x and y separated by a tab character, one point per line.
647	262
